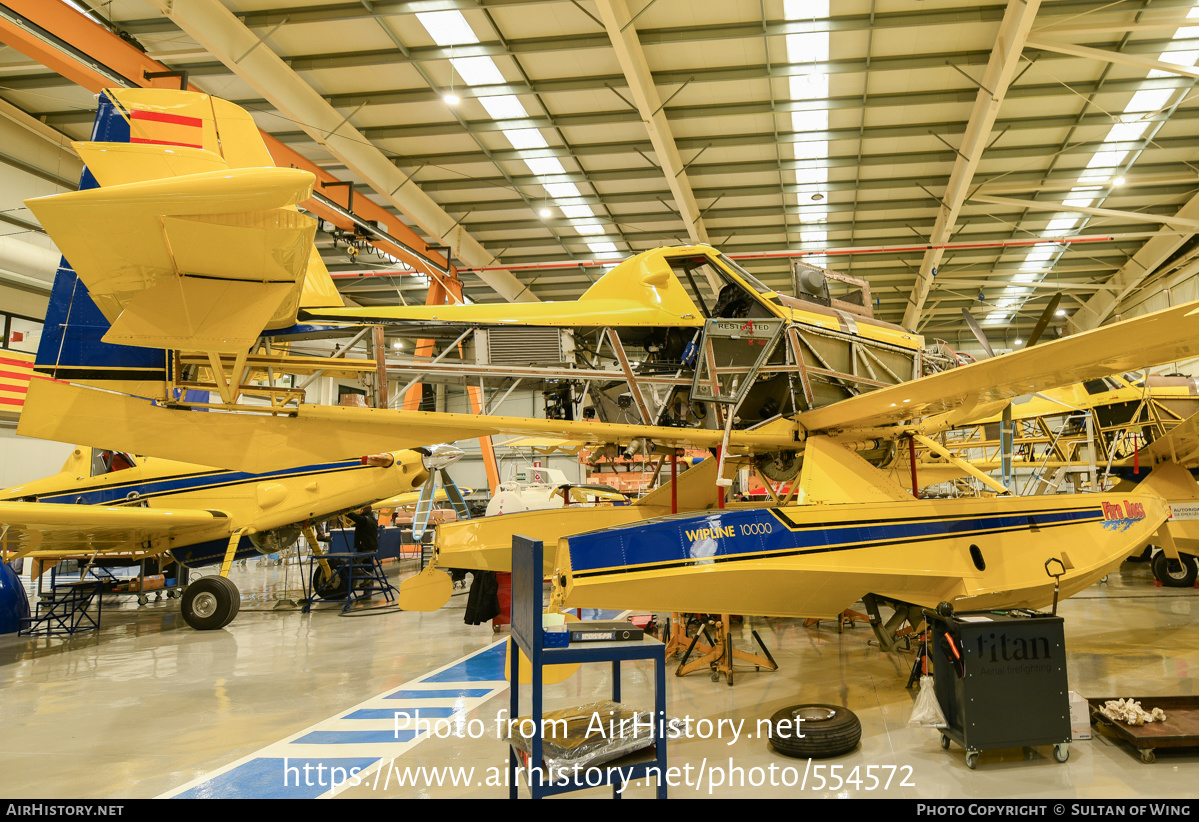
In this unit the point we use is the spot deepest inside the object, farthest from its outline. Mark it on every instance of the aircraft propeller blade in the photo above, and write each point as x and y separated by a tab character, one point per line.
1043	322
455	495
424	507
976	329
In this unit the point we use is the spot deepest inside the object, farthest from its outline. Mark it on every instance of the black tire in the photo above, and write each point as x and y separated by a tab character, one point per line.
326	588
1173	573
827	730
210	603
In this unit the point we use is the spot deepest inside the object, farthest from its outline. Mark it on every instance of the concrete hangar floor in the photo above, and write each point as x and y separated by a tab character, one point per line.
147	707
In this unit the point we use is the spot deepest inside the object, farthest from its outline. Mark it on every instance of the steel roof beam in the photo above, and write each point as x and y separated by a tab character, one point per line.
1133	273
352	11
1001	68
1119	57
623	34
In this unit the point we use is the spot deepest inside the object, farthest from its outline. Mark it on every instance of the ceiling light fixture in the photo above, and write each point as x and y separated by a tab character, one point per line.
452	99
1119	181
818	196
545	212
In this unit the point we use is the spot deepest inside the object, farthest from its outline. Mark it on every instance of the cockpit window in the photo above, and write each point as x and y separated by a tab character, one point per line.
715	291
107	462
757	284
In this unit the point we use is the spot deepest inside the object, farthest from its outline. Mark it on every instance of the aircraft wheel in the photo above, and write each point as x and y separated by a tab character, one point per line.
210	603
828	730
329	588
1175	573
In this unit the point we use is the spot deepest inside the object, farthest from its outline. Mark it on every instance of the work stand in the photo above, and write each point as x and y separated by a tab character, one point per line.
529	636
348	576
63	610
717	655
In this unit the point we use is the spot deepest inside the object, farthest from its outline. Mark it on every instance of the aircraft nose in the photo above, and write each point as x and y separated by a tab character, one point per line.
441	456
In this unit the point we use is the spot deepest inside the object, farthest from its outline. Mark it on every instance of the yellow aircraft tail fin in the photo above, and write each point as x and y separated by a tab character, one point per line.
319	290
694	489
831	473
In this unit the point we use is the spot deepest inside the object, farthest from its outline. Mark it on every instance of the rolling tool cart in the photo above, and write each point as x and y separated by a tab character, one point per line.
1001	680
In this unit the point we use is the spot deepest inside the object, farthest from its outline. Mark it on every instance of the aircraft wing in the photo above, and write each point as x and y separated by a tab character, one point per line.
412	497
1180	444
1163	336
588	313
316	433
50	530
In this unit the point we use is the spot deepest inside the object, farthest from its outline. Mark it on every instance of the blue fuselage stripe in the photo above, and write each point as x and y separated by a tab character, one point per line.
732	535
180	484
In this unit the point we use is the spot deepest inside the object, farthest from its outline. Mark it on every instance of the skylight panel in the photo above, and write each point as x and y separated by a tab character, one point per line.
805	9
811	86
808	47
804	121
1062	224
525	138
1149	99
996	317
544	165
1106	159
602	248
560	190
1125	132
811	150
590	229
577	212
504	107
447	28
477	71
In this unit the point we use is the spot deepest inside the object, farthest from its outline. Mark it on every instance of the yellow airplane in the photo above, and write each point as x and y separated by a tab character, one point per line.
774	379
107	504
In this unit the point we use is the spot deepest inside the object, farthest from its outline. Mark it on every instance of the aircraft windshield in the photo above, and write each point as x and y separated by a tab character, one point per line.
758	285
106	462
715	291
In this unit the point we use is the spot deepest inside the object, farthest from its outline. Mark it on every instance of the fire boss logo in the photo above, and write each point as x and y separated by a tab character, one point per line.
1121	518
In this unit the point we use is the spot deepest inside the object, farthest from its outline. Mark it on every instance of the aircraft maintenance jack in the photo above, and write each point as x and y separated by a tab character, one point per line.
848	618
64	609
718	656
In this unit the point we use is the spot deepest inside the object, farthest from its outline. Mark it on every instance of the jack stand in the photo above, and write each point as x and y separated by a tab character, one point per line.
719	655
848	618
675	636
921	653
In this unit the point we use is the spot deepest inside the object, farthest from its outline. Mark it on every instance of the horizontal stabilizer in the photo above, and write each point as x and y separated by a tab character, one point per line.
236	224
198	314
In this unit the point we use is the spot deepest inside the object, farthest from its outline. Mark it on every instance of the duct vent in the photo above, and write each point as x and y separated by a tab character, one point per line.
525	346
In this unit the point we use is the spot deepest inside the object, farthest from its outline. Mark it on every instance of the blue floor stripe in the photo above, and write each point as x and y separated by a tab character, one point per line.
267	778
487	666
413	714
448	693
353	737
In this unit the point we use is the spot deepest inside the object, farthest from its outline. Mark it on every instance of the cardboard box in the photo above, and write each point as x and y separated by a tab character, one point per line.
1080	718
